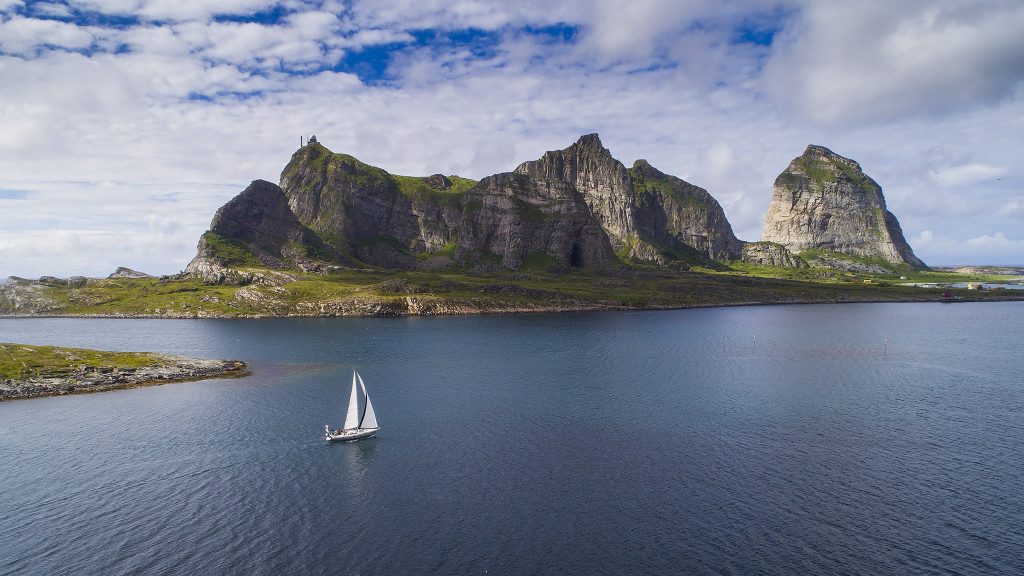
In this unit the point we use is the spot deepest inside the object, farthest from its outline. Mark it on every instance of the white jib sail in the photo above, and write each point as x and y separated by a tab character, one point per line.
352	416
369	418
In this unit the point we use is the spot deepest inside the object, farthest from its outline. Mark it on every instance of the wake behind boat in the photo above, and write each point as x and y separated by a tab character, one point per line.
357	424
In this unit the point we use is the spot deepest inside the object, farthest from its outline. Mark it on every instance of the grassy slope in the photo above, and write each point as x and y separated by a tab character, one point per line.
22	361
833	276
369	292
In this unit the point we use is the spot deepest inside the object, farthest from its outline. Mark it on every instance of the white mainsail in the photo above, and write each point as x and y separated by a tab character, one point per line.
352	416
369	419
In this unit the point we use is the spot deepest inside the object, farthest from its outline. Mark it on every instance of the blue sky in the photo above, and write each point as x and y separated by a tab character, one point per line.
127	123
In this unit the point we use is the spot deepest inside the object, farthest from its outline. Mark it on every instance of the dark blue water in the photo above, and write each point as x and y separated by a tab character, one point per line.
612	443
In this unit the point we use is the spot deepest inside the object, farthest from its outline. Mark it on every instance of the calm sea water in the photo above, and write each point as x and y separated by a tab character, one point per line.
762	440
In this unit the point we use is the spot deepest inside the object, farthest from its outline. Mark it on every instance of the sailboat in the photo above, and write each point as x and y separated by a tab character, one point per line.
357	425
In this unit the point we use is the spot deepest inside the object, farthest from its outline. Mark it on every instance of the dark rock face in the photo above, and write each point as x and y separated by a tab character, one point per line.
260	217
602	181
577	207
257	229
517	217
362	211
123	272
771	254
824	201
678	216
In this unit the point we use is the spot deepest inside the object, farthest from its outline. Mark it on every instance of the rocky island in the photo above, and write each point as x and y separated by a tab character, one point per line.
33	371
572	230
827	210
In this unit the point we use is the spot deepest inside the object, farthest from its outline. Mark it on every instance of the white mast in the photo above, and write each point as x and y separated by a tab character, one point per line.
352	416
369	419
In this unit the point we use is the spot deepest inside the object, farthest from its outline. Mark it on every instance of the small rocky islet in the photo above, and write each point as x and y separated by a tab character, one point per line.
28	371
573	230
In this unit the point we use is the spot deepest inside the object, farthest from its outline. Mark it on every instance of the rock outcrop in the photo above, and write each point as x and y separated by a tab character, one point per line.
75	375
771	254
525	220
367	214
123	272
576	207
257	229
589	168
825	202
679	217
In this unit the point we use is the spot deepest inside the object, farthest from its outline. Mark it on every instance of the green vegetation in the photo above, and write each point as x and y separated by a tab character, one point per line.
825	170
897	269
448	250
668	187
151	297
230	251
538	261
893	275
818	170
20	361
416	188
529	212
390	292
628	245
460	184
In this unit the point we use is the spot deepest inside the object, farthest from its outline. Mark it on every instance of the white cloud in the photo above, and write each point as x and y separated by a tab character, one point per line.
127	154
173	10
966	174
9	5
24	36
1014	209
947	249
51	9
997	240
845	63
461	14
375	36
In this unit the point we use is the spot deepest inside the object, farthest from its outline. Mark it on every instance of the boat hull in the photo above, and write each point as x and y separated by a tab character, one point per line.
350	435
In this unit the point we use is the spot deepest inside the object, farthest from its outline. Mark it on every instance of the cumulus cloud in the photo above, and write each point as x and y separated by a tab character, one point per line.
845	63
996	242
947	249
966	174
124	147
51	9
26	36
177	10
1014	209
457	15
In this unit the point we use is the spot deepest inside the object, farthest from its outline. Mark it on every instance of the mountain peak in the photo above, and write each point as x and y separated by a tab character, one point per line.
814	152
824	202
592	140
644	168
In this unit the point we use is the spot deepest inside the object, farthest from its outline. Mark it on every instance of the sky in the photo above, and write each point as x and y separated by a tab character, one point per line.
125	124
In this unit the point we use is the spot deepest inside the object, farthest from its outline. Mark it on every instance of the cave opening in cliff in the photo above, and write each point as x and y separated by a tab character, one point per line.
576	256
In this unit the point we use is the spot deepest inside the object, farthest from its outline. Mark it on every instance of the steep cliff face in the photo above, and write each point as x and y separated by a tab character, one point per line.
603	182
365	212
771	254
677	216
526	220
825	202
577	207
258	229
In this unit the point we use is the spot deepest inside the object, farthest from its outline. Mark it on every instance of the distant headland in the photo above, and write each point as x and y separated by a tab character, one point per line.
572	230
33	371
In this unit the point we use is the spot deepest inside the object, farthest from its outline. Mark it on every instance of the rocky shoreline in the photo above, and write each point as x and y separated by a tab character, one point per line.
458	307
102	378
